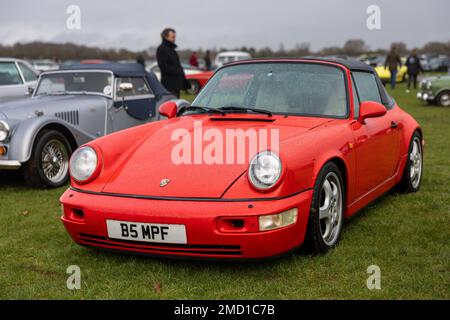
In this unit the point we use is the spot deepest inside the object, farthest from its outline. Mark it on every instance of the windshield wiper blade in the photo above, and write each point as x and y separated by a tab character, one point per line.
239	108
206	109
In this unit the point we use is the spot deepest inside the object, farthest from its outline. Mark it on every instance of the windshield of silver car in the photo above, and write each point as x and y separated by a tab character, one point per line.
308	89
60	83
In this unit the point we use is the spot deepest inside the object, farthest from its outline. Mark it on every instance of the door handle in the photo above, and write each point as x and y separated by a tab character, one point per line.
394	125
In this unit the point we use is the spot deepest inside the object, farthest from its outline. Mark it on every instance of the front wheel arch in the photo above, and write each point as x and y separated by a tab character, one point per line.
313	242
30	168
59	127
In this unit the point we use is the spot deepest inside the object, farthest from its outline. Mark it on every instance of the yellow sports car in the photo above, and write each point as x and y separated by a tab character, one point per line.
385	74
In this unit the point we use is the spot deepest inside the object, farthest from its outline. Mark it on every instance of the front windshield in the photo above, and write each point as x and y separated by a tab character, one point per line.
308	89
75	83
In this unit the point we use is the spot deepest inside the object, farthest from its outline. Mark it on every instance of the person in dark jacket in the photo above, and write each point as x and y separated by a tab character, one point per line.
207	59
140	59
414	68
394	63
172	73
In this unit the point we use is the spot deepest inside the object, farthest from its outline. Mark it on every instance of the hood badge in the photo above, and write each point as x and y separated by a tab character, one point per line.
164	182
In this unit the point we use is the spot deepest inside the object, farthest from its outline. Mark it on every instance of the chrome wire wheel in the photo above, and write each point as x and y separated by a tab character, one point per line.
415	157
54	161
331	209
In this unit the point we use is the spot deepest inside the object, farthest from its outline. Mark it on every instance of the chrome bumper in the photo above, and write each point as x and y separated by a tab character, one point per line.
10	164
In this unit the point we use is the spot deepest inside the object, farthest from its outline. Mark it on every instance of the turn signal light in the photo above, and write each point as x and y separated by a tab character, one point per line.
238	224
2	151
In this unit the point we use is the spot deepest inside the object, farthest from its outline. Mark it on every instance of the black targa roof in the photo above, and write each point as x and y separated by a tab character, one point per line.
352	64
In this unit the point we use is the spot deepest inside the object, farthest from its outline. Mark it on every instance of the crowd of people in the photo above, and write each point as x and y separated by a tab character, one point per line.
394	63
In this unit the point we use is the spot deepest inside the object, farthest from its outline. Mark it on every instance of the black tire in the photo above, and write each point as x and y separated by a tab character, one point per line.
314	238
443	98
194	87
410	184
33	170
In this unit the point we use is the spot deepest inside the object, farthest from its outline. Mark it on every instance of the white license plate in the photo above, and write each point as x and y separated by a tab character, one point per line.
148	232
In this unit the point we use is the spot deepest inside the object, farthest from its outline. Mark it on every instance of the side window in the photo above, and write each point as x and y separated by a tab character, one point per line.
9	75
140	87
367	87
389	101
355	100
28	74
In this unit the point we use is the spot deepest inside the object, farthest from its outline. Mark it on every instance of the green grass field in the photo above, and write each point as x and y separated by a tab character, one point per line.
407	236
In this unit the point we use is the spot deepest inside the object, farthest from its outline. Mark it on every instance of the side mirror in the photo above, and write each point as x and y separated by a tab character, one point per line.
168	109
30	91
125	87
371	109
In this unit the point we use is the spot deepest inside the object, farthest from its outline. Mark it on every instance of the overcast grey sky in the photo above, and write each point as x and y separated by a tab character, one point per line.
136	24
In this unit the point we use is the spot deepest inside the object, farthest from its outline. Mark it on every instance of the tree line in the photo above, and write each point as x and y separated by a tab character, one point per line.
71	51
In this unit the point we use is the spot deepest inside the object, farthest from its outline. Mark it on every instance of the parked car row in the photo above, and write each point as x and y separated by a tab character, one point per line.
341	143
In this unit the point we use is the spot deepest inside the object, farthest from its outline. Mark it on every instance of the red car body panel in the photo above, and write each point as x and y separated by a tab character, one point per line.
201	77
372	157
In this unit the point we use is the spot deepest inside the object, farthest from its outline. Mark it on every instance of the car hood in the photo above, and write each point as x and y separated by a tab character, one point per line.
435	78
28	108
143	169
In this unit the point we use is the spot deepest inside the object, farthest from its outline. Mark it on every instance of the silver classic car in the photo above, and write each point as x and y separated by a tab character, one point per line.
69	108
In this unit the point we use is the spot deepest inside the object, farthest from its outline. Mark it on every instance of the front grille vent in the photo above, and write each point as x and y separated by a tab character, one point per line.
68	116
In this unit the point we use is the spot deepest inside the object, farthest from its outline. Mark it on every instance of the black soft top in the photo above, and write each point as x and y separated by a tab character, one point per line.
352	64
125	70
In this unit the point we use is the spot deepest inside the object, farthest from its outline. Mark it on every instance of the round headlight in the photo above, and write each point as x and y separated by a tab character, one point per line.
83	164
4	130
264	170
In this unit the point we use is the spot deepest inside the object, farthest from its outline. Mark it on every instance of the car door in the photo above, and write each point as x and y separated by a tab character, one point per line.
11	82
377	143
133	107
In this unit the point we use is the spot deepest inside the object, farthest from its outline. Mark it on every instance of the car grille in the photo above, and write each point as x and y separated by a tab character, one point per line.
160	248
68	116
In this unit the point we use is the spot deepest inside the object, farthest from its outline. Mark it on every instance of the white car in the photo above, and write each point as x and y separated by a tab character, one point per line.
17	79
42	65
187	69
230	56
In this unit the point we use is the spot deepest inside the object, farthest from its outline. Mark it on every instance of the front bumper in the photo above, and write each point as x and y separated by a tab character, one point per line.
9	165
85	215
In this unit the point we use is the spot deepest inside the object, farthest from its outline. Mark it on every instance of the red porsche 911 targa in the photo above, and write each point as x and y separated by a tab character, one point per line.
272	154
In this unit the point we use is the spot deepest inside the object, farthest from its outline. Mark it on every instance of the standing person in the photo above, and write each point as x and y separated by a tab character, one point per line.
140	59
414	68
172	73
207	59
393	62
193	60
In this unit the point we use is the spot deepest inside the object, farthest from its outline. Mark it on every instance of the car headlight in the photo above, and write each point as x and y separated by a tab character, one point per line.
280	220
83	164
264	170
4	131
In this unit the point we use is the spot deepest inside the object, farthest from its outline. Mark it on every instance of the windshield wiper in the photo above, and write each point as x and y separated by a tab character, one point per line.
239	108
206	109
